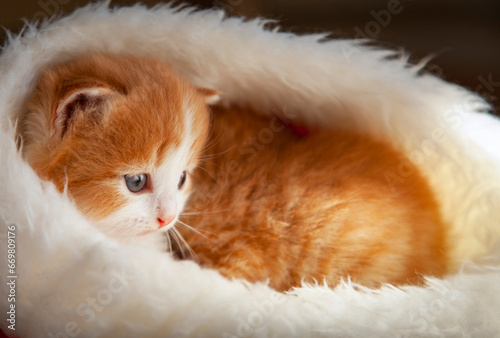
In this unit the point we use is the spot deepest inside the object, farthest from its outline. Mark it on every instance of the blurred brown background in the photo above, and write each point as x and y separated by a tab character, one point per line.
462	35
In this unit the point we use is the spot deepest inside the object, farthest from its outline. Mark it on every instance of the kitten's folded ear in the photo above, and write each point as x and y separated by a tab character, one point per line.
89	100
211	95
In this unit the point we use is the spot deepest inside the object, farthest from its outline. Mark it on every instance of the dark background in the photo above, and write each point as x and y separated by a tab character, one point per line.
463	36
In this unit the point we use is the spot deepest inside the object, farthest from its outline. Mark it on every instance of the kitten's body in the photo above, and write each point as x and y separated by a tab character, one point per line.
273	205
270	205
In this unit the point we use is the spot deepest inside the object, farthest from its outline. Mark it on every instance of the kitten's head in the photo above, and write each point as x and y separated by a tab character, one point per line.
122	135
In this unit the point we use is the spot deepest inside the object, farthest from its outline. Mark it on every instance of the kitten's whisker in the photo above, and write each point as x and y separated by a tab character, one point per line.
214	141
191	252
174	235
212	156
203	212
211	132
194	230
167	234
211	174
204	160
208	162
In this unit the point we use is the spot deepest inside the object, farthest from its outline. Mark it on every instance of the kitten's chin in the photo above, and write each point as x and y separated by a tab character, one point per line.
155	240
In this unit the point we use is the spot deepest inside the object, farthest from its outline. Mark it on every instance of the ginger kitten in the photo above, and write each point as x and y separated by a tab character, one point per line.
124	135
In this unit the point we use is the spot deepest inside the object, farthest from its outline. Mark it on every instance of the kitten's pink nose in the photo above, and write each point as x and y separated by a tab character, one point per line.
166	220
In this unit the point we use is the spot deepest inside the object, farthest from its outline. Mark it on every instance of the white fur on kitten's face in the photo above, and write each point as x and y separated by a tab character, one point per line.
157	207
153	210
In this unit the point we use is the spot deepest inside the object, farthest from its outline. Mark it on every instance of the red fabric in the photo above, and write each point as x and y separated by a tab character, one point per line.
299	130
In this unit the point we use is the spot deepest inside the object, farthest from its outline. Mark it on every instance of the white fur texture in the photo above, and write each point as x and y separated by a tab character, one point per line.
73	279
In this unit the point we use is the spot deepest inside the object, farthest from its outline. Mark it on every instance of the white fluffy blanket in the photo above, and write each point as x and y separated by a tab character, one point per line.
72	281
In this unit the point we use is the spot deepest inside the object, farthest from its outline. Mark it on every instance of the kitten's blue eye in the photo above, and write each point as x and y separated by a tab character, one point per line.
182	180
136	183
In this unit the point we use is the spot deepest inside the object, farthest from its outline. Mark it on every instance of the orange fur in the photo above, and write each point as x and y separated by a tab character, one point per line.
269	205
143	119
274	206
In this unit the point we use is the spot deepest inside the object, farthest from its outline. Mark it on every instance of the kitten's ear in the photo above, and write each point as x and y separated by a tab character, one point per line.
211	95
82	100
